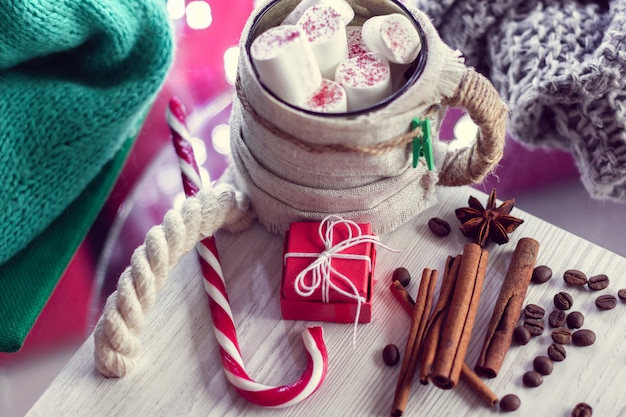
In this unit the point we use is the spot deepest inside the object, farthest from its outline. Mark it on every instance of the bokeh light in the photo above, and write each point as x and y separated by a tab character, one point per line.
231	57
199	15
220	138
199	150
465	131
176	9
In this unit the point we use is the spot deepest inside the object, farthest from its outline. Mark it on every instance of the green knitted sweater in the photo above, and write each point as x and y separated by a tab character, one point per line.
76	79
75	76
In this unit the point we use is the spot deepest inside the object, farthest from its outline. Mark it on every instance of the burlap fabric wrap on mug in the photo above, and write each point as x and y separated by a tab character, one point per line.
300	166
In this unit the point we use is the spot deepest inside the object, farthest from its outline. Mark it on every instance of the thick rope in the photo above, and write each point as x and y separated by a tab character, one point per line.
483	104
117	333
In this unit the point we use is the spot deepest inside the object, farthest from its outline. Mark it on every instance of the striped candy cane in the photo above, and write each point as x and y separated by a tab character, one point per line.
219	305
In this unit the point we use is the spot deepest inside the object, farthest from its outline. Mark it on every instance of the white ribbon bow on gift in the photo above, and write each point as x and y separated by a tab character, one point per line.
321	268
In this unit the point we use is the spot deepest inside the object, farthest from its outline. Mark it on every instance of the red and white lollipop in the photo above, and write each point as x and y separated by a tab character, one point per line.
219	305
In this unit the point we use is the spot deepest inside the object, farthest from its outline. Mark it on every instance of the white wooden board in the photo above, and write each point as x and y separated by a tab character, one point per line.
179	371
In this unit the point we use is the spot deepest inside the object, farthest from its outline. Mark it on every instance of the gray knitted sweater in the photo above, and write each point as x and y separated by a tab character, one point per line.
561	67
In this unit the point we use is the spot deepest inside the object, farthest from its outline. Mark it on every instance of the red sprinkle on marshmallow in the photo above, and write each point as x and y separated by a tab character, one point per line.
330	97
363	71
272	41
356	46
400	39
320	22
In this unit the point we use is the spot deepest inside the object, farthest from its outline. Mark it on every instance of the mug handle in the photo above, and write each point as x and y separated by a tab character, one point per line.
470	165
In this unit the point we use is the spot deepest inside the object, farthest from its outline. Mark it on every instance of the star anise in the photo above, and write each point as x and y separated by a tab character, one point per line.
491	222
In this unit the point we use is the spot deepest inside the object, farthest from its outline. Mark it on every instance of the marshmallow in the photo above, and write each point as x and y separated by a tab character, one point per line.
393	36
329	98
285	63
356	46
327	36
342	6
366	79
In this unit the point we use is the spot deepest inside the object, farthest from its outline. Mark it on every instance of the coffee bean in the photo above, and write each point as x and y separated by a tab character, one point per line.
575	320
562	336
438	226
582	410
606	302
556	318
543	365
583	337
532	379
541	274
575	278
557	352
510	402
534	326
622	294
402	275
563	301
521	335
391	355
598	282
534	311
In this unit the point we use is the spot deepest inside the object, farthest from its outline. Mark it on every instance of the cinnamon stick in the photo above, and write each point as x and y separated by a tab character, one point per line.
460	319
403	296
437	318
507	308
472	379
430	296
447	285
419	316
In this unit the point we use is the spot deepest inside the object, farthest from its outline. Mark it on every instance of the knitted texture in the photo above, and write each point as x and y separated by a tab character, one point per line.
560	66
76	77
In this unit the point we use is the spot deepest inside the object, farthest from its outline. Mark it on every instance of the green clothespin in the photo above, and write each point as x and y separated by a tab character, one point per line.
422	144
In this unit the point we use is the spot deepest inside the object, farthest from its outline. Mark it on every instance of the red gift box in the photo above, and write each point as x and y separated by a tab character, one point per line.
328	271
